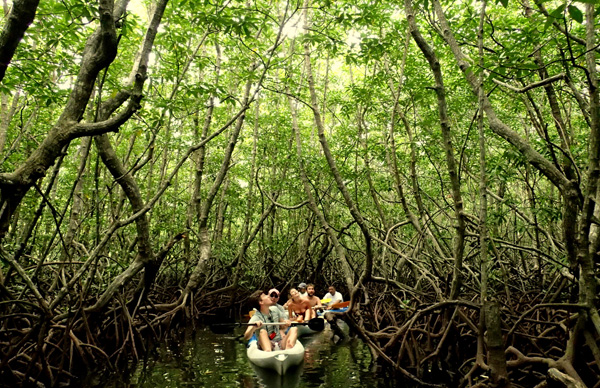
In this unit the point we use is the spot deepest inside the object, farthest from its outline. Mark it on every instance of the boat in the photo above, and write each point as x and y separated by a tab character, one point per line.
340	310
272	379
306	330
340	307
278	360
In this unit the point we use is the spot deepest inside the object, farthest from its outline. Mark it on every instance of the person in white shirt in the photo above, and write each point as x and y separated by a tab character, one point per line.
333	296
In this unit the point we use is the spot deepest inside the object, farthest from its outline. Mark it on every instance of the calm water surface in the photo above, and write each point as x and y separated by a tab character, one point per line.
212	360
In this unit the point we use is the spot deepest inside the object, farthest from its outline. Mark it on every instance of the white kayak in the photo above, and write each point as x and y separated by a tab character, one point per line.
278	360
305	330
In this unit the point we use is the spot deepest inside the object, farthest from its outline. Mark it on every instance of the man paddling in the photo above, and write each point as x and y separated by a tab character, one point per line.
333	296
269	336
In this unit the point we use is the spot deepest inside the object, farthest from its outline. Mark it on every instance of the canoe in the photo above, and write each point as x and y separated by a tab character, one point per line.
342	310
272	379
305	330
279	360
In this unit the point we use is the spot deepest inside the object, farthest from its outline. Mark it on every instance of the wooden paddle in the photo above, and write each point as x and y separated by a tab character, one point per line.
339	305
316	324
334	306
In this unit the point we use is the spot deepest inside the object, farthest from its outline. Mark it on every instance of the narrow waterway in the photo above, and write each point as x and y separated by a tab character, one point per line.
213	360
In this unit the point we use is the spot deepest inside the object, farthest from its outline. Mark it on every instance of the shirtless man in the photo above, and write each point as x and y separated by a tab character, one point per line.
299	306
315	301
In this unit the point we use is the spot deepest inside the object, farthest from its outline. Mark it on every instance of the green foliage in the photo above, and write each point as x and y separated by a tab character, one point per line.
357	52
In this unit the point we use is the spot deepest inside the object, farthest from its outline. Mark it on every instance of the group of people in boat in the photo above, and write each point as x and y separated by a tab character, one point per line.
301	306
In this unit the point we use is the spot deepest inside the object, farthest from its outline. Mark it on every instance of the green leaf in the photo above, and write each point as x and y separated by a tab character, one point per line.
558	12
587	1
504	3
576	14
549	21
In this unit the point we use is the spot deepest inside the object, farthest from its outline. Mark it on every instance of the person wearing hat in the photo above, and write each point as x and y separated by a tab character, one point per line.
302	290
274	295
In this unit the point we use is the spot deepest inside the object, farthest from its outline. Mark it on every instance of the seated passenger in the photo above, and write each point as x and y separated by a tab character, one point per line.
274	295
302	290
299	306
269	336
333	296
314	301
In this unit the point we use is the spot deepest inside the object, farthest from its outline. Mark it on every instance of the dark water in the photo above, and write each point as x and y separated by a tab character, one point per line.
217	360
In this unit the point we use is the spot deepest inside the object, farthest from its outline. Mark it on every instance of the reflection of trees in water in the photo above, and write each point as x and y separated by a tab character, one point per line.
200	359
336	365
271	379
210	360
345	364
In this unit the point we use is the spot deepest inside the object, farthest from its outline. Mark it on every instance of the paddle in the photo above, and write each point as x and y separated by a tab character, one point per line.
339	305
316	324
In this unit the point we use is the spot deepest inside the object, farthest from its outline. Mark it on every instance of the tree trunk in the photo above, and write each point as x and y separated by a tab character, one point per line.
434	64
588	255
312	203
99	52
145	257
495	345
6	115
356	215
221	210
18	21
205	245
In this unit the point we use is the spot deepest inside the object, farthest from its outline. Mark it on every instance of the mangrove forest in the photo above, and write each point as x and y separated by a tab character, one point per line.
437	161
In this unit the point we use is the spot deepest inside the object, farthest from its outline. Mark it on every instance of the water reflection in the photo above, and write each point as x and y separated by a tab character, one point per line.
212	360
271	379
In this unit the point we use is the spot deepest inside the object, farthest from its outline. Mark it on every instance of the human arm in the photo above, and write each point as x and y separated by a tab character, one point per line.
335	299
317	304
287	322
252	328
308	312
290	311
